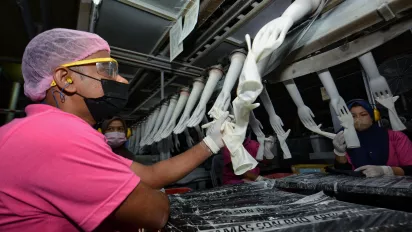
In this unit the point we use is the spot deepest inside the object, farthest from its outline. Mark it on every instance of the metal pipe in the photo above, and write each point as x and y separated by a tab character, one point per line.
138	83
150	57
28	22
234	11
93	18
162	85
141	63
367	88
151	96
13	100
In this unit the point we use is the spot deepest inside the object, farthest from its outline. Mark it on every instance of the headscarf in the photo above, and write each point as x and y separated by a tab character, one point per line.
374	141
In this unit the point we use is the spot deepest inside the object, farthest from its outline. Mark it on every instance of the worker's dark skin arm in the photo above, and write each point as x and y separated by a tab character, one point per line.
143	208
341	159
250	176
169	171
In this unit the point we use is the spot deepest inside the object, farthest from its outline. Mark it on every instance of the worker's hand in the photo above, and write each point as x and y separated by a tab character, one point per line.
261	178
339	144
214	134
375	171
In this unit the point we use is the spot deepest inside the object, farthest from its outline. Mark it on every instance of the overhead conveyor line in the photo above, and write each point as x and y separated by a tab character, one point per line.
341	54
137	59
346	19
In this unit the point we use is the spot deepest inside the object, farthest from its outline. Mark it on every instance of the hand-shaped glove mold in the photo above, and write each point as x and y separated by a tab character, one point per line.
199	132
389	103
168	115
198	86
339	105
152	122
184	95
177	142
269	144
215	73
158	123
189	139
380	90
272	35
236	63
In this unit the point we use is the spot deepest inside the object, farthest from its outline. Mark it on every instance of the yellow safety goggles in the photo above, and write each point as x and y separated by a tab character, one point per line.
107	67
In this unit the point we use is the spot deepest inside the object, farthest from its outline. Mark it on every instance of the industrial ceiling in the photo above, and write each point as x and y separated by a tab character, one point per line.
138	32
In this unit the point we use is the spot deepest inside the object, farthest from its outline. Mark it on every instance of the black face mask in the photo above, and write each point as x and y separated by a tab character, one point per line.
111	103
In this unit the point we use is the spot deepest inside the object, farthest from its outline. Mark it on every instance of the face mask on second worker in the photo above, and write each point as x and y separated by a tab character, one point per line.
115	139
362	124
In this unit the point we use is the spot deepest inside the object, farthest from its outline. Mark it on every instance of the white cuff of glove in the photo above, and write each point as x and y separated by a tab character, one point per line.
260	178
341	154
387	171
211	144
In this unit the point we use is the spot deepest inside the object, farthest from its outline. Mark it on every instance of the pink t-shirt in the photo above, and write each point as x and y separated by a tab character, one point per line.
400	150
58	174
229	176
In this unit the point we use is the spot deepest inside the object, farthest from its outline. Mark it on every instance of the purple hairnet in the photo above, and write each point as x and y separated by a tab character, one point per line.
49	50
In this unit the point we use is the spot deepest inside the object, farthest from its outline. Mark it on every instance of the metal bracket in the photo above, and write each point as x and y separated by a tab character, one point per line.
386	12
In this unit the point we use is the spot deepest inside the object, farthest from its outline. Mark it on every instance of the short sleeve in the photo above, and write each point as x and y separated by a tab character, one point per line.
67	169
403	147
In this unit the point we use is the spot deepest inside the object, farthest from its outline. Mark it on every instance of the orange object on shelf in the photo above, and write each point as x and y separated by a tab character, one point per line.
171	191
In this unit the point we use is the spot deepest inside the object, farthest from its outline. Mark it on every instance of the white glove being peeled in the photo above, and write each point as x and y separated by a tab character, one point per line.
261	178
339	144
376	171
269	144
214	133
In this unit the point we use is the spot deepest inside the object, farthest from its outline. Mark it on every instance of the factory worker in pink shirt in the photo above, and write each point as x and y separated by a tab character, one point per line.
382	152
57	173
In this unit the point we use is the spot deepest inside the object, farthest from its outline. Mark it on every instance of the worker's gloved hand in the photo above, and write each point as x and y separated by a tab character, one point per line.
376	171
261	178
339	144
214	134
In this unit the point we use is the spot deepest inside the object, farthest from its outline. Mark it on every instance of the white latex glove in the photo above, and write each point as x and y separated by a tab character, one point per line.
177	142
269	144
189	139
389	103
197	89
214	136
276	123
261	178
375	171
282	142
215	74
346	119
261	149
256	125
196	117
306	116
339	144
237	60
250	82
317	130
222	102
242	161
271	36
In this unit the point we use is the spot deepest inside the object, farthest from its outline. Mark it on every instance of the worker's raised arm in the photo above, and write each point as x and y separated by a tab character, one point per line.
143	208
169	171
